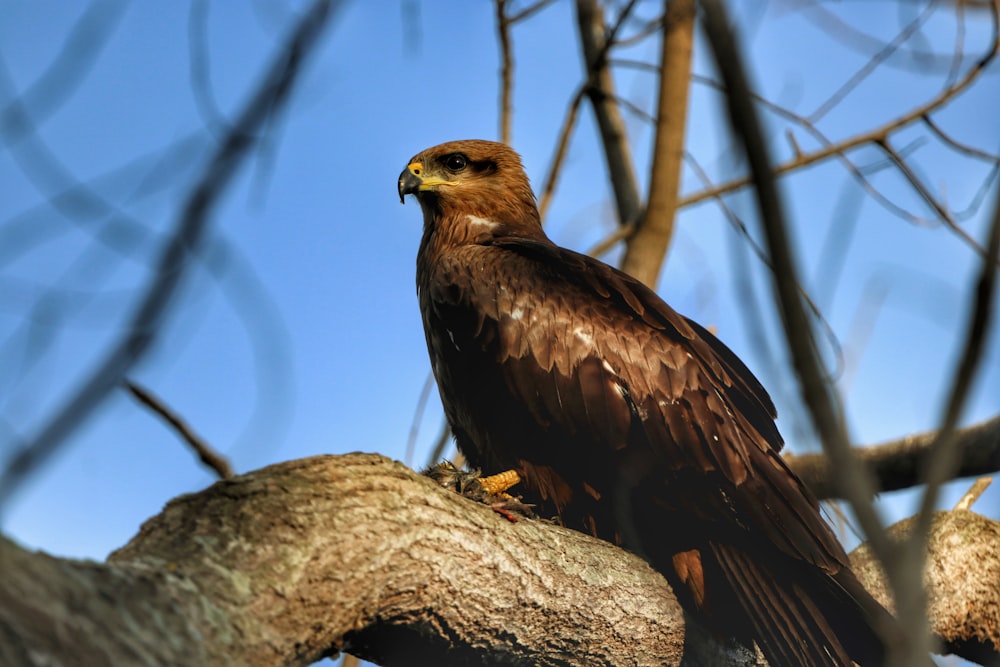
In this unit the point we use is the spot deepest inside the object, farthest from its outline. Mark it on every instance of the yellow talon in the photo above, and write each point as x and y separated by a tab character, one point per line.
497	484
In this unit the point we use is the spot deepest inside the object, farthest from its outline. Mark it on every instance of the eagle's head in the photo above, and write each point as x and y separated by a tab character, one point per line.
483	179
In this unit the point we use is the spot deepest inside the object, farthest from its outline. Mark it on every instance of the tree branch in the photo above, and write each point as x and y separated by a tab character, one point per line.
506	68
647	248
206	453
600	90
303	559
896	463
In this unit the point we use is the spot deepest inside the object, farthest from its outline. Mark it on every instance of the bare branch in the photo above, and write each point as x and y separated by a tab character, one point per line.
529	11
562	146
647	247
206	454
506	68
896	464
600	90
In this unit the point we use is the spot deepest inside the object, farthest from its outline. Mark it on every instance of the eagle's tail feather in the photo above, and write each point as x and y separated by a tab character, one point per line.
789	626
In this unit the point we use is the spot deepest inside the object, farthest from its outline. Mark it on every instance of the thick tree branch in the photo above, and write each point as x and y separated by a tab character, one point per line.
357	553
896	463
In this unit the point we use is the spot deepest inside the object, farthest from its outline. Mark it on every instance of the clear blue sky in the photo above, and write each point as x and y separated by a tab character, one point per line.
310	342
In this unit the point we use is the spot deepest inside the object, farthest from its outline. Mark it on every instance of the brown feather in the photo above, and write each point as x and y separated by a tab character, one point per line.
629	420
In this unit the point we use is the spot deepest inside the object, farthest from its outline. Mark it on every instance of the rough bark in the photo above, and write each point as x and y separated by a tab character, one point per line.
303	559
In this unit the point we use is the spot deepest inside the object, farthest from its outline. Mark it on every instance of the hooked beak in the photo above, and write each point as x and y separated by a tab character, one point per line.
410	180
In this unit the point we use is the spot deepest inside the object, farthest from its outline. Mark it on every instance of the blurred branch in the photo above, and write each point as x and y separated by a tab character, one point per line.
873	63
200	68
529	11
864	44
855	482
972	495
876	135
944	457
646	248
595	42
272	93
206	454
897	464
77	55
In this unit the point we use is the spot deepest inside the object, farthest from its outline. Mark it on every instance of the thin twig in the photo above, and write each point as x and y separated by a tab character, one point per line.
873	63
957	145
206	454
929	199
562	147
944	457
529	11
418	414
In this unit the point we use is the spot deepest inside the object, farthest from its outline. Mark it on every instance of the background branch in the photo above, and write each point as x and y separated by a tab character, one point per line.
646	249
896	464
594	43
270	96
206	454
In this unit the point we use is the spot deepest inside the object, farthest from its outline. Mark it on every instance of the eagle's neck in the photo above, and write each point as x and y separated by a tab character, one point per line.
447	228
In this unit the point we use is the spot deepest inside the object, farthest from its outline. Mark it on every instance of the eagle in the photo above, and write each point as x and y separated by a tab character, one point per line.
630	421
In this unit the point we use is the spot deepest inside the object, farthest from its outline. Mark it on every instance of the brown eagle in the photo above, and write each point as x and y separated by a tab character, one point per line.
630	421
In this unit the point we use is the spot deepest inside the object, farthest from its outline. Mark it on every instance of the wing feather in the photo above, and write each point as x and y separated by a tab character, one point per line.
716	416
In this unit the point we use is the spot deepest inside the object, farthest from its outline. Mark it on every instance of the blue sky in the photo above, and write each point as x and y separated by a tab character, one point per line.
309	340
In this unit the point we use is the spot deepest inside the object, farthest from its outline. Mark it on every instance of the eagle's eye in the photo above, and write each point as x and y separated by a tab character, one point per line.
455	162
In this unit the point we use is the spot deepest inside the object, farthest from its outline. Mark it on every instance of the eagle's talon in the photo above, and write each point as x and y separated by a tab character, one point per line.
490	490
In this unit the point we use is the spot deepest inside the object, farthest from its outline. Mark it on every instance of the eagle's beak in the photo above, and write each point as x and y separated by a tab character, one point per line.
410	180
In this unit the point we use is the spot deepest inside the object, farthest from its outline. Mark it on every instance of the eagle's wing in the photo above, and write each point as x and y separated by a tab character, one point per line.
594	350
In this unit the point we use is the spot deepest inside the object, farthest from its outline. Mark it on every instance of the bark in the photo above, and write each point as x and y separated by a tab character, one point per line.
357	553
